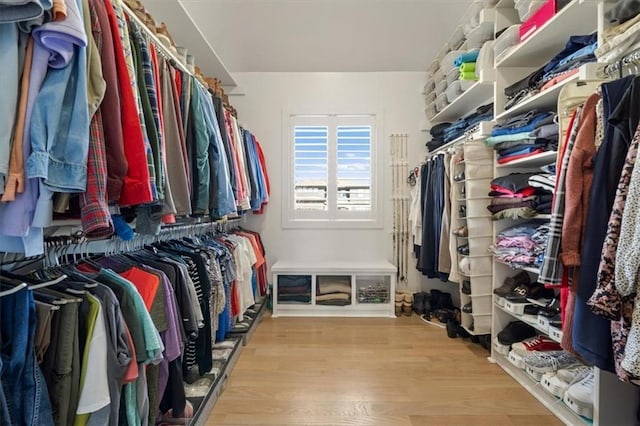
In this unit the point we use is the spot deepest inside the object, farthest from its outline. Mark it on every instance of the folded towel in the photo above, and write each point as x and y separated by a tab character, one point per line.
468	67
470	56
470	75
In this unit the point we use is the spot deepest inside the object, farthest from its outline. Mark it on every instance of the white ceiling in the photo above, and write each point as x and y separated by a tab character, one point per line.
326	35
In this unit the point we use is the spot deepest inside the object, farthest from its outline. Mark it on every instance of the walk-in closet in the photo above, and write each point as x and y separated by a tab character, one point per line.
319	212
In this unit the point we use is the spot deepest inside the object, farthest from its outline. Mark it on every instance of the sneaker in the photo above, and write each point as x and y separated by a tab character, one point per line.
531	312
545	362
466	287
510	283
467	309
515	331
516	359
538	343
554	385
579	396
573	373
459	177
556	321
464	249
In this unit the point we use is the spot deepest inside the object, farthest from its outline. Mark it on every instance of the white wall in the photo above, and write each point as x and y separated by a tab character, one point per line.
396	96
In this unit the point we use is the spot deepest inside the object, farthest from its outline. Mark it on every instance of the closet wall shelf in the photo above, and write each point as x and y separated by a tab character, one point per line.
526	268
549	39
534	161
548	99
186	32
555	405
479	94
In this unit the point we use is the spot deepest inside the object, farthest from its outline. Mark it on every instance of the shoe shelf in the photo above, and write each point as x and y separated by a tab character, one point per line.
555	405
532	322
575	18
252	317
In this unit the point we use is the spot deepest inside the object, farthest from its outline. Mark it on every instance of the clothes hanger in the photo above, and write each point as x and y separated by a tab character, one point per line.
13	290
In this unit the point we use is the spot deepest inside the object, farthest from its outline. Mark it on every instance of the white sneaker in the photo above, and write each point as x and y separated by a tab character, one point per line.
573	373
557	383
545	362
579	396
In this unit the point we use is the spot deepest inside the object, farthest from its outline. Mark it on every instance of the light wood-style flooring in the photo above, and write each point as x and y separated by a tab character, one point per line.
388	372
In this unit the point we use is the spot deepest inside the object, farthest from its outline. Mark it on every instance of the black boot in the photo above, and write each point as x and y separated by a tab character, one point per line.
419	303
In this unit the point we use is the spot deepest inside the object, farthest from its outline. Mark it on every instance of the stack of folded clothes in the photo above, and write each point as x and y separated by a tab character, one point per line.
521	195
462	125
545	184
466	63
624	34
524	135
333	291
437	136
579	50
522	245
294	289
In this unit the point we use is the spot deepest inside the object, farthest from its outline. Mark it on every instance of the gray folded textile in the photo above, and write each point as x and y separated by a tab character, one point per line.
623	11
548	131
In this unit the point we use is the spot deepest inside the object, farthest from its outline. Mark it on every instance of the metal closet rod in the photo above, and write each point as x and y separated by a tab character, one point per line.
164	51
614	68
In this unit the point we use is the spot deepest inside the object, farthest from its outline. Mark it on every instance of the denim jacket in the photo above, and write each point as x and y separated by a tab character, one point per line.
60	121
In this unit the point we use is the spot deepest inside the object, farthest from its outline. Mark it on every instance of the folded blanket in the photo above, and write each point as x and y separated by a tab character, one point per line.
469	75
333	296
333	302
493	208
517	213
497	201
326	288
468	67
510	158
470	56
494	140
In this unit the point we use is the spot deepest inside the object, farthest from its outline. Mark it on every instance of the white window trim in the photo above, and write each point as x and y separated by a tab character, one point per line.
292	219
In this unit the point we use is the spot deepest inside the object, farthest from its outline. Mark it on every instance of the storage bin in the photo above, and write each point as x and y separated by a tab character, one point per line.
482	323
515	308
509	38
476	188
543	323
481	304
477	207
500	348
430	96
447	62
555	333
431	110
453	75
515	359
441	87
476	265
485	59
478	35
482	226
441	101
480	284
477	170
526	8
457	39
477	151
429	86
453	91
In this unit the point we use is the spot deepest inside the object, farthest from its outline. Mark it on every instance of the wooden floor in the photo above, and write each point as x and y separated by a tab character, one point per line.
337	371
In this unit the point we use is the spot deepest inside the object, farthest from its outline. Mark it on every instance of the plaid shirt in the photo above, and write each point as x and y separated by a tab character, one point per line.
94	210
552	269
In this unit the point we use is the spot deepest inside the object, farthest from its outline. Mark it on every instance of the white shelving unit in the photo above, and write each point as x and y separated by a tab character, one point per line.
615	402
362	276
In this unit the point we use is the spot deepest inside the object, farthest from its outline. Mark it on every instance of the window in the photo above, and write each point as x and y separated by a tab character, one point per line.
332	171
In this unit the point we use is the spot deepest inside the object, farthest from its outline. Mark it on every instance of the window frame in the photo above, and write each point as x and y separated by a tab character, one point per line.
332	218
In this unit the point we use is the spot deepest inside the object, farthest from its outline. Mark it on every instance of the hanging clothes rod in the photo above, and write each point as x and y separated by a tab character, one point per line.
163	50
615	69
